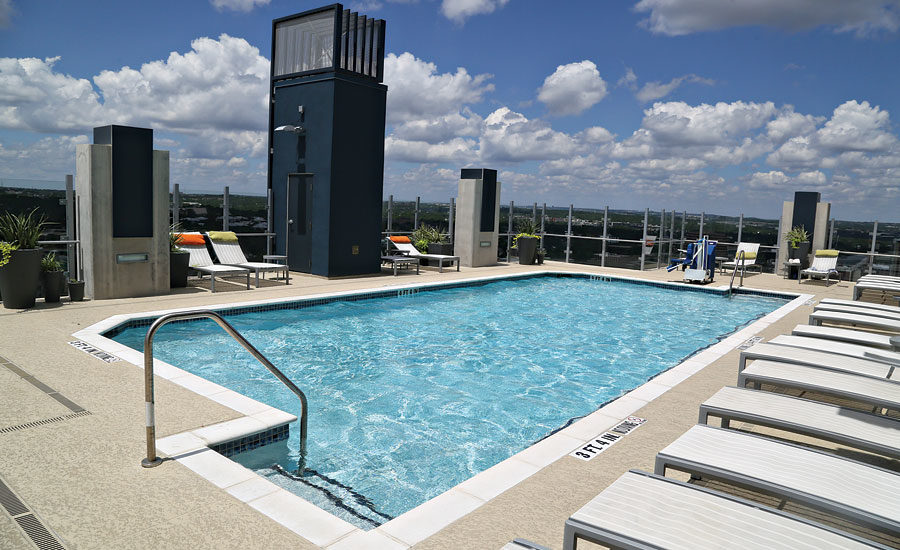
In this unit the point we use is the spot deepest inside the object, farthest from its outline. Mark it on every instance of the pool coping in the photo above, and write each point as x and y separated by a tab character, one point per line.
193	448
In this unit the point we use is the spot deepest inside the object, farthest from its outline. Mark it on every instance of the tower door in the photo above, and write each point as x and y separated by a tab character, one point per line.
299	221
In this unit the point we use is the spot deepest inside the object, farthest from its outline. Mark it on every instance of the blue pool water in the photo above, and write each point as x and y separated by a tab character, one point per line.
409	396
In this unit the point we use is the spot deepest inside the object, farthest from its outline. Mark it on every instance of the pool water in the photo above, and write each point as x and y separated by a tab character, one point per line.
409	396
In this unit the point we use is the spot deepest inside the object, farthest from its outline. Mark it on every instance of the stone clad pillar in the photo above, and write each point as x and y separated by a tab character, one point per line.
122	189
477	226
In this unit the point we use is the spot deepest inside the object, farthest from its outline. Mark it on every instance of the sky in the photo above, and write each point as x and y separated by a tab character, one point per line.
698	105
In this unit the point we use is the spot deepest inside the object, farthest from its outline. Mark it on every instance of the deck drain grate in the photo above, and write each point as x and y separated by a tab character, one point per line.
30	524
44	422
39	535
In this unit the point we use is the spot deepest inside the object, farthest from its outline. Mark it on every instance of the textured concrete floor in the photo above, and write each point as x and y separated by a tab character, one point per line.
83	477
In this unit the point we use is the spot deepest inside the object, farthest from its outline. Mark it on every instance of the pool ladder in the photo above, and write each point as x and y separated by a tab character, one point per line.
739	261
153	460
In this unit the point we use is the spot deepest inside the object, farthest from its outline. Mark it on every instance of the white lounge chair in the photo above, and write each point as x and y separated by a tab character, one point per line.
202	263
855	319
857	310
873	392
228	251
814	358
861	337
862	305
405	246
885	287
838	348
801	474
824	266
750	251
644	511
860	430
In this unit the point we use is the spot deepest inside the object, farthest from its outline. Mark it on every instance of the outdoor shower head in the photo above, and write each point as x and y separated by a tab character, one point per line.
291	128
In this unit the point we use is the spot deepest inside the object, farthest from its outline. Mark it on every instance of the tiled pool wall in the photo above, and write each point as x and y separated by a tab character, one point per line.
303	303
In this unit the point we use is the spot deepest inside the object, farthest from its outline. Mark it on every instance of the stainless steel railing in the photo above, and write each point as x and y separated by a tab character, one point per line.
738	261
153	460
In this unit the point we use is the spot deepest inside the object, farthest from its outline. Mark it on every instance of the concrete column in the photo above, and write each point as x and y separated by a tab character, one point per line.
477	220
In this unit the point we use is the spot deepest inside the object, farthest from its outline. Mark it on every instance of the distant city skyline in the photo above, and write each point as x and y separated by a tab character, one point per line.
723	107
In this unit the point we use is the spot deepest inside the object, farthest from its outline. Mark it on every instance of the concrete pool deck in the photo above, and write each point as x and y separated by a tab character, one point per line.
80	473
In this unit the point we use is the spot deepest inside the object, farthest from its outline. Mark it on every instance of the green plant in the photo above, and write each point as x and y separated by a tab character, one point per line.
526	228
23	230
796	235
6	252
50	263
73	281
175	238
425	235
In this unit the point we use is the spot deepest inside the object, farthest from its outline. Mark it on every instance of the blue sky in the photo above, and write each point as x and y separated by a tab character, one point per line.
726	107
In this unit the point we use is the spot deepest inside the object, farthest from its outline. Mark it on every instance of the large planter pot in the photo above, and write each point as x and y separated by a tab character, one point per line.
801	253
53	282
178	269
76	291
445	249
19	278
527	249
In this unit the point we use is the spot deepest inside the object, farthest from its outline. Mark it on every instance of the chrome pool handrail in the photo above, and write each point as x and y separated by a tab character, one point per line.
153	460
739	260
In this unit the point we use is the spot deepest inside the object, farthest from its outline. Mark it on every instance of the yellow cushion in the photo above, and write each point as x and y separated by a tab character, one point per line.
400	239
826	253
188	239
223	236
747	256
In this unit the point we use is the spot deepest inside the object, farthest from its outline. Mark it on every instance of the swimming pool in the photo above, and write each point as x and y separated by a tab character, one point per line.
410	396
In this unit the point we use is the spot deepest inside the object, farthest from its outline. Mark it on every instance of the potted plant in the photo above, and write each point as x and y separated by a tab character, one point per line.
526	241
798	245
430	240
179	259
20	274
52	277
76	290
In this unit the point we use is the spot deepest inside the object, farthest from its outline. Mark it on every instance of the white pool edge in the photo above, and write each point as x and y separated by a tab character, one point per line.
192	448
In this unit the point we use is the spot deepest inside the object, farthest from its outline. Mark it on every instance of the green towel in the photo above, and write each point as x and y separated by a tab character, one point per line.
747	256
826	253
223	236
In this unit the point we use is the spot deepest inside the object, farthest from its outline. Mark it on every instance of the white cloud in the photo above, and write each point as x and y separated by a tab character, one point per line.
218	85
48	158
680	17
678	124
858	127
789	124
441	128
456	150
510	137
572	88
652	91
238	5
629	80
6	13
459	10
416	90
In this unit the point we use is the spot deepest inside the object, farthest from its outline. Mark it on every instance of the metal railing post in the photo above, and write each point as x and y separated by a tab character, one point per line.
605	235
702	219
644	236
226	201
176	205
740	227
543	215
778	240
269	219
149	400
509	230
534	214
390	220
831	234
569	234
671	236
662	223
450	226
683	219
416	215
71	261
874	238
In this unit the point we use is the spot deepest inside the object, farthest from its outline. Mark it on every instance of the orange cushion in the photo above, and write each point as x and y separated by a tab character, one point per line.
400	239
188	239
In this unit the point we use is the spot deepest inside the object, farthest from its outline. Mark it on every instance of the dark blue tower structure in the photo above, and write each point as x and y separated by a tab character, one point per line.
326	140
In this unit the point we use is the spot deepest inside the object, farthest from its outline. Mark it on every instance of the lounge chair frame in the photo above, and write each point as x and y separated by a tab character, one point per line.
411	251
226	252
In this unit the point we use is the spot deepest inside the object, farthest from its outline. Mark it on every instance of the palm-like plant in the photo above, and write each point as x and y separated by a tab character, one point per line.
23	230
